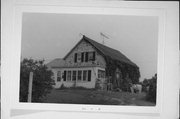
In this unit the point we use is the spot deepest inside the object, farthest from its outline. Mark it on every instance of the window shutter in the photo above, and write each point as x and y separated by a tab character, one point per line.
89	75
94	56
64	76
75	57
86	58
82	57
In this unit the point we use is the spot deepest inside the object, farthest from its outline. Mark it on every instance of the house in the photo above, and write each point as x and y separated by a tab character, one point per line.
90	64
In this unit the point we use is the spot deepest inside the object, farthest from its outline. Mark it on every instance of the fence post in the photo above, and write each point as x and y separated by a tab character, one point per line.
30	86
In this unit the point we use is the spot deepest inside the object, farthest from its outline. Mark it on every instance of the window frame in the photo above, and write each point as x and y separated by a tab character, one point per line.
74	75
85	75
69	76
89	75
58	79
101	74
79	75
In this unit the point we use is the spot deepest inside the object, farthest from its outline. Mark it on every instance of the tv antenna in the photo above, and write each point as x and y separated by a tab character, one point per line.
103	36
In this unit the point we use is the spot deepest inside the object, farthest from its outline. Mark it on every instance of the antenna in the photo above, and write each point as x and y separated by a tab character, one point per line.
103	36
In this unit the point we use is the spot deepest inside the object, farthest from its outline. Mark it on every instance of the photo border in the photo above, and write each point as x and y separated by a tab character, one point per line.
111	10
98	11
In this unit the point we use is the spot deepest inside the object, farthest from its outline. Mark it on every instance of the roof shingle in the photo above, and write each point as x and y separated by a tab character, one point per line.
107	51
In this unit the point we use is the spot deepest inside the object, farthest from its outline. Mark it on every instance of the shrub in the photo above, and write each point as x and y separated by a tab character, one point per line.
151	94
97	85
42	80
145	84
126	84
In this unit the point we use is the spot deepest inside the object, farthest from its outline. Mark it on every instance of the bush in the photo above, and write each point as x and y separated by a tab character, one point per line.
97	85
42	80
126	84
151	94
145	84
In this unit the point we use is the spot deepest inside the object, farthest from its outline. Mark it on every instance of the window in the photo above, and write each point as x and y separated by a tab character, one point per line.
69	76
101	74
86	57
82	57
90	56
64	76
74	76
59	76
85	75
79	75
89	75
78	57
94	55
75	57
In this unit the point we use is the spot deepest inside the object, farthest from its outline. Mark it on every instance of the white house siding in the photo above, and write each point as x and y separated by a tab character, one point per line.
86	84
98	63
85	47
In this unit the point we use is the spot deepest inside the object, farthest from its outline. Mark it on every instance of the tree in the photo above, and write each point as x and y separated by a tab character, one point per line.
126	84
42	79
151	94
145	84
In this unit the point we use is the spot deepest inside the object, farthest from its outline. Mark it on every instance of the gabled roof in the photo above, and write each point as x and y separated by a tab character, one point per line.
109	52
57	63
104	50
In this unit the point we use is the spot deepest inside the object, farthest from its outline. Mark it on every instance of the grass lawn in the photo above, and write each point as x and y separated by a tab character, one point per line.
79	96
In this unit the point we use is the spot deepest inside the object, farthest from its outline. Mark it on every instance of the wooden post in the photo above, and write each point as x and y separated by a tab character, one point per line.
30	86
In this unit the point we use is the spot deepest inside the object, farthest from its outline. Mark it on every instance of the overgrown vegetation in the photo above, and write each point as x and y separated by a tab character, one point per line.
126	84
42	79
126	69
151	93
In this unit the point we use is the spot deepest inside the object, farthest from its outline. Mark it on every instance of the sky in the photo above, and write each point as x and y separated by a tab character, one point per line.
49	36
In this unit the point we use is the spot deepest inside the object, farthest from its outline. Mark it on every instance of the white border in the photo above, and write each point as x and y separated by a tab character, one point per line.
76	10
111	9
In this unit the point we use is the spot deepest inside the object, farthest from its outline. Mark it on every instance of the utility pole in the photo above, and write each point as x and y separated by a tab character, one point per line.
30	87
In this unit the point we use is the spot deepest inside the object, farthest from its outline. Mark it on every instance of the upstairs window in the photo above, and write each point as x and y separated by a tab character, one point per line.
94	55
78	57
75	57
91	56
84	57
